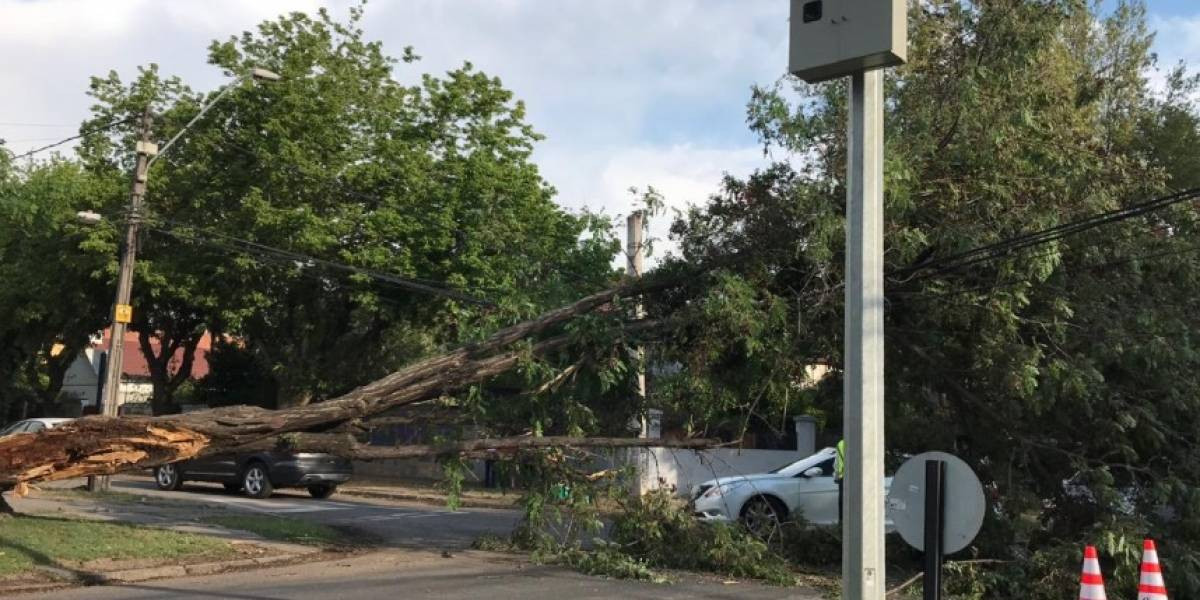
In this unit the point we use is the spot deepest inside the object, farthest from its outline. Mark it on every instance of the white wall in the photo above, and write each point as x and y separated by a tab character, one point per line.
80	380
682	469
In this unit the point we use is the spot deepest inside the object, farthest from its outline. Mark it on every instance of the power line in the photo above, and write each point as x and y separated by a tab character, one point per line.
15	124
74	137
1020	242
289	257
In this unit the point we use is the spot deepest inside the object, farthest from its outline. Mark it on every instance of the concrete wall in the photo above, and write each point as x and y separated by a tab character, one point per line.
407	469
680	470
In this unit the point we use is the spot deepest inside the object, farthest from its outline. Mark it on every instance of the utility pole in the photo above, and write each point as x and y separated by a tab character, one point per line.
122	312
633	252
862	547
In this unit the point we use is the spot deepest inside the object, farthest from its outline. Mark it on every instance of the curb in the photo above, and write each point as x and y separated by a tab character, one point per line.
64	578
211	568
429	500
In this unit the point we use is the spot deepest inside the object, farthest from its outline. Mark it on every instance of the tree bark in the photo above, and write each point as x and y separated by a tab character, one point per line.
105	445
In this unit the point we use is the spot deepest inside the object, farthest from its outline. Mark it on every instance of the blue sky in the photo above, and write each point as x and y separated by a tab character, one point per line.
628	92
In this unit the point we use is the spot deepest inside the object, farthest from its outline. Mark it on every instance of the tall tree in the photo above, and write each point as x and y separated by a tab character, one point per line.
50	313
1072	361
429	183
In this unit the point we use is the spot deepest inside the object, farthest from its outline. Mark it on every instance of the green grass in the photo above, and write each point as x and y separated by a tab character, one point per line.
28	541
283	529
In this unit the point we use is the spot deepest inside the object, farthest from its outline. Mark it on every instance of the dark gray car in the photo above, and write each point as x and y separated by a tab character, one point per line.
257	475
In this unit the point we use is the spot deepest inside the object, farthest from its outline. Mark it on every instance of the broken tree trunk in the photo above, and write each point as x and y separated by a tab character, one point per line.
106	445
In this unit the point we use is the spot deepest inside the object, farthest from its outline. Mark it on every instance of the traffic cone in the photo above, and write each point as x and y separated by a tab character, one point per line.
1091	582
1151	586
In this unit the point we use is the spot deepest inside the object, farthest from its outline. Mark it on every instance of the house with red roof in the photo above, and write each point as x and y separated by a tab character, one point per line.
84	379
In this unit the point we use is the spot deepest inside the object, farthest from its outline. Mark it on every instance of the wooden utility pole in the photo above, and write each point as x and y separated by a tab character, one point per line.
122	311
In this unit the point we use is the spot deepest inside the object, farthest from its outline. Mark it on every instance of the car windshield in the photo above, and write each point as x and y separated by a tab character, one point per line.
12	428
785	466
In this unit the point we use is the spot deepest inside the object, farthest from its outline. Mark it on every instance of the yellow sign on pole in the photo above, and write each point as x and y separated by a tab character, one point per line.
124	313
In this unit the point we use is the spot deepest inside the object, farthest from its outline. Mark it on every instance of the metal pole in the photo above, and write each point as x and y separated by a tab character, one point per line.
121	309
862	528
935	525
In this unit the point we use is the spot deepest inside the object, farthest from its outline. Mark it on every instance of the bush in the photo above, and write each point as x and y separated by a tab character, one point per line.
659	530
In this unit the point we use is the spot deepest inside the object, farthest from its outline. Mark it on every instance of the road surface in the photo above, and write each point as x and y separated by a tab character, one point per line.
411	574
396	523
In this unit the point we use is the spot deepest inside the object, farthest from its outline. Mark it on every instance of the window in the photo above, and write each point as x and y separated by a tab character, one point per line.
826	467
34	427
18	427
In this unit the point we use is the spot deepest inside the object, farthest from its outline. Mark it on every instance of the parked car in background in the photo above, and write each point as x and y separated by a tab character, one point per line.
761	501
258	475
33	425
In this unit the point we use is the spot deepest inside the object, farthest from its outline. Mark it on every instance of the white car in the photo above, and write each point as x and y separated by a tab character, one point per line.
761	501
32	426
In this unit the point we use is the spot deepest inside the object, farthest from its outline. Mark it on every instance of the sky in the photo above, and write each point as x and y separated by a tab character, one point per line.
628	93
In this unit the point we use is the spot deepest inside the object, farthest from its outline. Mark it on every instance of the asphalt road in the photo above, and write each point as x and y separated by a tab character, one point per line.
396	523
411	574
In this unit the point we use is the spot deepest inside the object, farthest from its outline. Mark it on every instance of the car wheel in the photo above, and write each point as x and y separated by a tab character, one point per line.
255	481
232	488
762	516
167	477
321	491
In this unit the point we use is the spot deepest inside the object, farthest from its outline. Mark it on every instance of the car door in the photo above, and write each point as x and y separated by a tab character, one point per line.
221	467
816	496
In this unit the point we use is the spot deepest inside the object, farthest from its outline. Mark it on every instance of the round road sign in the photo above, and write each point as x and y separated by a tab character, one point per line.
965	504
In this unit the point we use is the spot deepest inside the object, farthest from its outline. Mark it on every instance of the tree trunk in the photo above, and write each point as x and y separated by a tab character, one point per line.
162	400
105	445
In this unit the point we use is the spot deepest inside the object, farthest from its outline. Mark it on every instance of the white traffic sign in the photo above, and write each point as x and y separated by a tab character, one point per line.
965	504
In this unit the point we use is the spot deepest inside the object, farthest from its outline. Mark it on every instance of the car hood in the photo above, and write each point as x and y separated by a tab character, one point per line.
736	479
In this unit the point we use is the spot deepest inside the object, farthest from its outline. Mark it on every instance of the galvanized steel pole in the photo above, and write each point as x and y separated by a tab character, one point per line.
862	527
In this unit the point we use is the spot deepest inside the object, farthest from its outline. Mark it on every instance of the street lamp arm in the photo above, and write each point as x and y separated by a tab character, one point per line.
204	109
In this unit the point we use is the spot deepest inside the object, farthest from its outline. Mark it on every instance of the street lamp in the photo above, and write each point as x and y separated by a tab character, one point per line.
88	217
147	153
255	74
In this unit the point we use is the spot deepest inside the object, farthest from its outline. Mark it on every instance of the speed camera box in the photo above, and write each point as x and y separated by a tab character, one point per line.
832	38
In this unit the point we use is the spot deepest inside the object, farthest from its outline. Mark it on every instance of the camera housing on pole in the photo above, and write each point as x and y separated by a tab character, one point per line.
834	38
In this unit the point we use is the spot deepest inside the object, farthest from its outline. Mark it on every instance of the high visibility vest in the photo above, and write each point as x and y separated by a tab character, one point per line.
839	463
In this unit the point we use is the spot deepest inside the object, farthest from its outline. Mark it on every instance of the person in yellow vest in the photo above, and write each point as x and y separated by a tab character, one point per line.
839	473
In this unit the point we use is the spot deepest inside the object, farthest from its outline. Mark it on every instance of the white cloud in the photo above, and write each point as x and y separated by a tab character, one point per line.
628	92
1177	38
685	175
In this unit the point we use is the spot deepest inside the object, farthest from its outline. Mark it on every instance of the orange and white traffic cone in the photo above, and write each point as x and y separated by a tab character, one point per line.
1091	582
1151	586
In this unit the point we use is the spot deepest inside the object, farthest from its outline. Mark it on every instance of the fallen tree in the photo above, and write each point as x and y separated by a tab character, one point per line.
106	445
346	445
